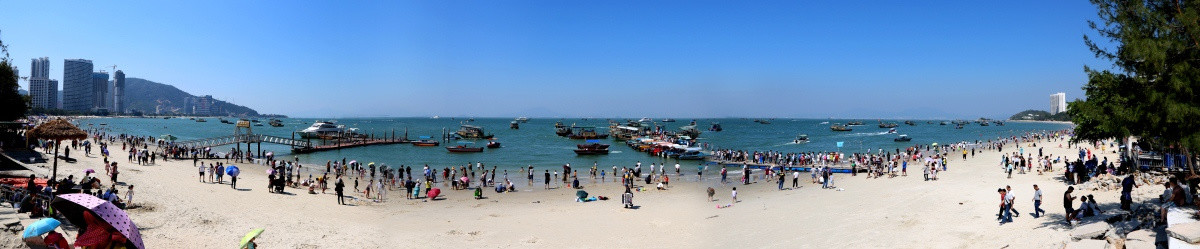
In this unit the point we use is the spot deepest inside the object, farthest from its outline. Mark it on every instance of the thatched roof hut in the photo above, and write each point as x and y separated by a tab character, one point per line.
58	129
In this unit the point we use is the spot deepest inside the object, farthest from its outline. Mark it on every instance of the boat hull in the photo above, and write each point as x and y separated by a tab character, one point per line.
464	149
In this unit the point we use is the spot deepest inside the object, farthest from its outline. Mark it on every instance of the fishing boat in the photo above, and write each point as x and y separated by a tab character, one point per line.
585	132
902	138
166	117
493	144
593	147
802	138
463	147
854	123
668	120
561	130
762	121
201	120
225	121
983	123
943	123
472	132
624	132
514	125
523	120
258	124
839	127
715	127
910	123
689	131
959	126
998	123
275	123
322	129
425	142
888	125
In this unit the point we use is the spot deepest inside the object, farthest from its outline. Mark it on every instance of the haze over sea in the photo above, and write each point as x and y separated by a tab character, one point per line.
536	144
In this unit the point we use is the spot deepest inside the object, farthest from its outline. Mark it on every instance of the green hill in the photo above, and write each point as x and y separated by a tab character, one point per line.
1039	115
147	96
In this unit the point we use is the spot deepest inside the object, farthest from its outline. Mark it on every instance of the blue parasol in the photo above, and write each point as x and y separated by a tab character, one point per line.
592	141
42	226
232	170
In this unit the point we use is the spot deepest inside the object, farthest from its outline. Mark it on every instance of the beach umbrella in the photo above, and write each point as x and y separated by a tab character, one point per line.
74	207
433	193
251	235
353	161
233	171
581	194
168	137
270	171
89	171
42	226
56	130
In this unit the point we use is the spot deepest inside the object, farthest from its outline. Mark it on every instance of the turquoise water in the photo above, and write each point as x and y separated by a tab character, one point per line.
536	144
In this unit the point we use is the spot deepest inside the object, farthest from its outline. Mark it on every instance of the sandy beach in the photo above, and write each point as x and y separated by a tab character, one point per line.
175	210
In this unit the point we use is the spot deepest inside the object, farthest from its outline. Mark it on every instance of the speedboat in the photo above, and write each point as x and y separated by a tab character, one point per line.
802	138
689	131
523	119
840	127
715	127
887	125
276	123
902	138
464	148
493	144
691	154
201	120
514	125
667	120
321	129
425	142
891	131
591	149
854	123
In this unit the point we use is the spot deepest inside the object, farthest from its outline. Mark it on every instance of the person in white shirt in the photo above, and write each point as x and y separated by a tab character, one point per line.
129	196
1010	197
1037	202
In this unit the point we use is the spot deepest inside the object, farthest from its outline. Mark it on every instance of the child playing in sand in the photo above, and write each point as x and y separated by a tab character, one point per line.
734	194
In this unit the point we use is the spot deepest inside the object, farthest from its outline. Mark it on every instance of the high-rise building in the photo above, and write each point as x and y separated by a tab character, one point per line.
40	68
78	88
204	105
118	92
43	91
1058	103
99	91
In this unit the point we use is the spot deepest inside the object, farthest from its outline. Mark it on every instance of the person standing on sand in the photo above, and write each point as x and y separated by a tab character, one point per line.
795	179
233	181
734	195
339	187
1068	204
546	179
201	170
1010	198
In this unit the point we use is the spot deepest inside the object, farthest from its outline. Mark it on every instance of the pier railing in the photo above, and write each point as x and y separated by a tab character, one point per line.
243	138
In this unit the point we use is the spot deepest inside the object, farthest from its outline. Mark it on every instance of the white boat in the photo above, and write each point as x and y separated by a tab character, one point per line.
322	129
523	119
645	120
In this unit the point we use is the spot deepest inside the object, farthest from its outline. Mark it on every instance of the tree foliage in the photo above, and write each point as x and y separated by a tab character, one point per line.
12	104
1152	89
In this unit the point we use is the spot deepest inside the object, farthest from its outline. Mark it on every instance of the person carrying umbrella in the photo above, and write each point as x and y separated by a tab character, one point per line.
248	240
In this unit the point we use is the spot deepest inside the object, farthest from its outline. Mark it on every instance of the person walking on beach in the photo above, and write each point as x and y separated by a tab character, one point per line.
201	169
1006	213
233	181
1037	202
795	179
339	187
724	174
546	179
1010	198
734	195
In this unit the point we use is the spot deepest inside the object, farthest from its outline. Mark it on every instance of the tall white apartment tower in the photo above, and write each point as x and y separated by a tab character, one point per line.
1058	103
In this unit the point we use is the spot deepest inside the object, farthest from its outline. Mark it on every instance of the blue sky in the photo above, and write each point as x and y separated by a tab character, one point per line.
864	59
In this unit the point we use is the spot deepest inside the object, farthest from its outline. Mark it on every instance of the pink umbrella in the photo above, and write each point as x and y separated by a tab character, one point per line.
89	171
73	207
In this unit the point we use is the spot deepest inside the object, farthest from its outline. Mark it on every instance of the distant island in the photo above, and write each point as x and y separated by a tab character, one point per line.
1039	115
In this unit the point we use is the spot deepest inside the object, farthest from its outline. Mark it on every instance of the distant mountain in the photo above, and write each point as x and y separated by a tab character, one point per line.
1040	115
22	92
147	96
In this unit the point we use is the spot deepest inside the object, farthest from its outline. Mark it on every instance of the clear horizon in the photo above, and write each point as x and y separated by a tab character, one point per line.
636	59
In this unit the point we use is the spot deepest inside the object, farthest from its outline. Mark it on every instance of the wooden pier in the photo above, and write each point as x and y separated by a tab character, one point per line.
349	144
837	168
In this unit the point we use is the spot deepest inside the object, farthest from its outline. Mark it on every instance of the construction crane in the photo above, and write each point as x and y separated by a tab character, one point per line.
114	67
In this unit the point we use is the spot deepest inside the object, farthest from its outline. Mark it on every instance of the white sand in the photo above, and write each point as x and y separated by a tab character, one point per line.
957	211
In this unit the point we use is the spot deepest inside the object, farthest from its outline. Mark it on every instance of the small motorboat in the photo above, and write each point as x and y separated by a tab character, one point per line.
493	144
715	127
888	125
840	127
276	123
593	147
958	126
943	123
891	131
463	147
426	142
591	152
692	154
855	123
802	138
902	138
668	120
561	130
910	122
523	119
514	125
